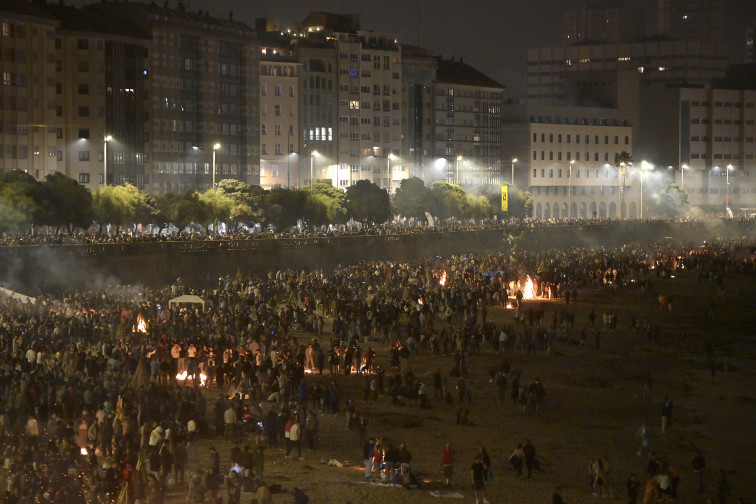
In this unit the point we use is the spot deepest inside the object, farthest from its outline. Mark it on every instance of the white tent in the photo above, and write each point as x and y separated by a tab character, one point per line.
15	295
186	299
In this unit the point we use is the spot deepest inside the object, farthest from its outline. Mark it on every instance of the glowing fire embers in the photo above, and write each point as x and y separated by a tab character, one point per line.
183	376
141	324
442	280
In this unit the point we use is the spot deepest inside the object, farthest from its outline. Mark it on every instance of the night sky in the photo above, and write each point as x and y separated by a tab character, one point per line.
491	35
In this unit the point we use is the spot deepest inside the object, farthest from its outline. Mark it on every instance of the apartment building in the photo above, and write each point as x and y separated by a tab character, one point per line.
706	136
280	76
28	105
569	155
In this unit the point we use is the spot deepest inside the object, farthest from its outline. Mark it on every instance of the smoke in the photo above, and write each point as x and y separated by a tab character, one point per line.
45	269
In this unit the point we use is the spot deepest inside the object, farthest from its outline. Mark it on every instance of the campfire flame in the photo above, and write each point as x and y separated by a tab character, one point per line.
141	324
528	288
183	376
442	281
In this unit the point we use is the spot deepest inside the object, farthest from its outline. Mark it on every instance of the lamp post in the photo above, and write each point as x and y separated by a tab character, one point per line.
107	139
456	178
215	148
388	165
644	166
569	189
727	189
514	160
589	208
312	161
682	175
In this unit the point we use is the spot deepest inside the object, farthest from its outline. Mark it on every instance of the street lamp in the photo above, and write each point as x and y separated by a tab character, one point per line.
312	161
514	160
215	148
682	175
388	165
569	189
107	139
727	189
644	166
459	160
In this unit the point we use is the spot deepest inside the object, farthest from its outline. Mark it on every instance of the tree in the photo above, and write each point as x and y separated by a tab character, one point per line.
478	207
334	199
247	207
368	202
19	194
218	204
283	207
413	198
64	202
672	201
185	209
520	202
451	200
146	210
113	205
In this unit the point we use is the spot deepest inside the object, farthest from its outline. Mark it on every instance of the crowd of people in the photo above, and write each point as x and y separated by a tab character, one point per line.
138	233
105	394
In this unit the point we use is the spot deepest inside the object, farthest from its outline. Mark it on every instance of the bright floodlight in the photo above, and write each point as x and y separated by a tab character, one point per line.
216	146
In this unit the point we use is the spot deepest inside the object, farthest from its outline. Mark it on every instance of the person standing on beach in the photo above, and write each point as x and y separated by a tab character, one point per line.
447	463
477	473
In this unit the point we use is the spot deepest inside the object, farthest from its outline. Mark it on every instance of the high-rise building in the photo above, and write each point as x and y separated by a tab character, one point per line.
143	91
705	136
467	123
280	76
351	101
691	119
604	21
29	118
101	89
691	19
570	156
418	76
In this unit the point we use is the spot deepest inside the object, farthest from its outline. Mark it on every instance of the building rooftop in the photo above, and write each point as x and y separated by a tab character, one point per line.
26	8
459	72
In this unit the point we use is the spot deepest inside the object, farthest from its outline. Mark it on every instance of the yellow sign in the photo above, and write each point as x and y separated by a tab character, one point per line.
505	198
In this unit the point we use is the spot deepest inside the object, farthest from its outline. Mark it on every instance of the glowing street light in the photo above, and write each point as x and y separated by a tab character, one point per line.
215	148
514	160
727	189
682	175
459	160
107	139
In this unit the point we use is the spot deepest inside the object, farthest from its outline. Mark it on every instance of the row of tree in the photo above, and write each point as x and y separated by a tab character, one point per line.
63	204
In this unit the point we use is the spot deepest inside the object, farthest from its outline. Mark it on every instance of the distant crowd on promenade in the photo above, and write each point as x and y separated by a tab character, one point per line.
123	375
153	233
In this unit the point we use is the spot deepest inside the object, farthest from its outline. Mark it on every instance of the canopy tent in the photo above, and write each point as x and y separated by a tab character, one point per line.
15	295
186	299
